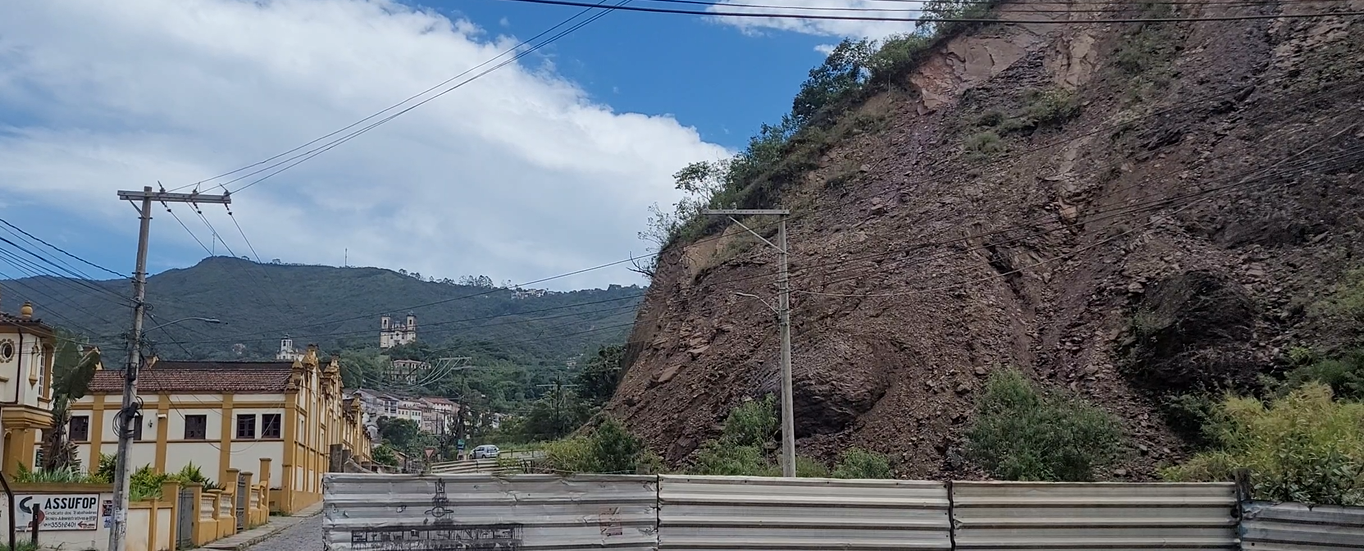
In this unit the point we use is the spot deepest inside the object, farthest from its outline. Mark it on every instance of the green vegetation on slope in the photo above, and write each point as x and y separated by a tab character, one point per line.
337	308
1025	433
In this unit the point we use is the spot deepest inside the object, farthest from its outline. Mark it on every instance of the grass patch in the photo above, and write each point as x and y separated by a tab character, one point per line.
861	464
983	144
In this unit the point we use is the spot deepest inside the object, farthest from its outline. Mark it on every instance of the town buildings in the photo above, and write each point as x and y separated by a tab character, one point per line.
27	348
282	421
287	352
392	334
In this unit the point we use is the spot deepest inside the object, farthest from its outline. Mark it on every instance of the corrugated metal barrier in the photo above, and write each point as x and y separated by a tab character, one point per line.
1110	516
1295	527
376	512
714	513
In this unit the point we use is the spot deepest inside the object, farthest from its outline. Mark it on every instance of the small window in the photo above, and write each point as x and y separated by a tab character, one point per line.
196	427
246	427
80	428
269	425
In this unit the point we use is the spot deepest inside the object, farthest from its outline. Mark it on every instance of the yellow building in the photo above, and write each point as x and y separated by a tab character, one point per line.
27	347
278	420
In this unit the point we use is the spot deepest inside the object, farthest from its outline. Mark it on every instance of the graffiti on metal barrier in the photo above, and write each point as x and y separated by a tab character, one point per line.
440	504
489	537
609	522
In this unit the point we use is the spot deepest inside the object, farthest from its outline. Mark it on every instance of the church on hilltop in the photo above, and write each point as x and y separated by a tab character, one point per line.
392	334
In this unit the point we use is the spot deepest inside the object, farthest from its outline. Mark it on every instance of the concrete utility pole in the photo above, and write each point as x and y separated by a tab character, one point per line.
118	531
783	310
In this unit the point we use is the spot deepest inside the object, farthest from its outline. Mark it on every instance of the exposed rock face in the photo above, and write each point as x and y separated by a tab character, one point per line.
1212	180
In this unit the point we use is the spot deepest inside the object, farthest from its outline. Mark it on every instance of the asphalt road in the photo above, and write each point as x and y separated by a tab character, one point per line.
304	536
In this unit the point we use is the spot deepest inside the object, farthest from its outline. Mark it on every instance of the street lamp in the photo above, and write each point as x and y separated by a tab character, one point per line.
119	518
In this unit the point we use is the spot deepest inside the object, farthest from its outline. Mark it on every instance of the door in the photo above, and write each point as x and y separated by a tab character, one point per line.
184	524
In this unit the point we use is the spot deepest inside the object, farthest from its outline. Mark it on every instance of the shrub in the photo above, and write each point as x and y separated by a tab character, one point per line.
611	449
718	459
1344	374
1304	447
859	463
983	143
1346	299
752	424
1189	415
1022	433
57	476
898	55
1051	107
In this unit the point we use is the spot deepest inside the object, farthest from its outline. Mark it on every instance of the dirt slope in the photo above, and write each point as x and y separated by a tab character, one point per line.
1170	235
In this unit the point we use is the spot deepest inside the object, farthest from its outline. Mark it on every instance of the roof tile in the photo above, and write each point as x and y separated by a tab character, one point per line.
201	377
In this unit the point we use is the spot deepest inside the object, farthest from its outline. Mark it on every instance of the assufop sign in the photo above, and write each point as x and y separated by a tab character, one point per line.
58	511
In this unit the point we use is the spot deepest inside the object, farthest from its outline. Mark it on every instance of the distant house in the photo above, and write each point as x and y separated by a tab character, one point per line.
276	419
27	348
438	415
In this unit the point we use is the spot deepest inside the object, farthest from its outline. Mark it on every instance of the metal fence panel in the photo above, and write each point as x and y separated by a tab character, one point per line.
1297	527
721	513
378	512
1110	516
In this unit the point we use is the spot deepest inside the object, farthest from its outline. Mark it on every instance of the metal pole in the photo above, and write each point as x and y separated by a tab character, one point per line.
788	418
119	521
119	516
783	310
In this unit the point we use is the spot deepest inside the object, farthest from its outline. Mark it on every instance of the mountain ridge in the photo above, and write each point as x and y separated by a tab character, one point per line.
259	304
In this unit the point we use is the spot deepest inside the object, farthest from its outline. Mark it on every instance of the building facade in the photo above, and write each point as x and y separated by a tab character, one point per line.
392	334
27	348
278	420
287	352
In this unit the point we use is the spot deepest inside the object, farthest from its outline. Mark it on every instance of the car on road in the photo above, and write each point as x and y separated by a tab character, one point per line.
486	451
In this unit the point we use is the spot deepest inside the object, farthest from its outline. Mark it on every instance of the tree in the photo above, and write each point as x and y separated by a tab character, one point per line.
842	72
383	455
601	374
71	374
399	433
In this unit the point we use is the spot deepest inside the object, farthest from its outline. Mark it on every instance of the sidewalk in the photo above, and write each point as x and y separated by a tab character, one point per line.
275	525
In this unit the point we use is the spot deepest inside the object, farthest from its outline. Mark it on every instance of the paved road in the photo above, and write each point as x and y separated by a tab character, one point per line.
304	536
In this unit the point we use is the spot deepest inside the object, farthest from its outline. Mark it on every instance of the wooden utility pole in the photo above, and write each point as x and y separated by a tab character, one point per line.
118	531
783	310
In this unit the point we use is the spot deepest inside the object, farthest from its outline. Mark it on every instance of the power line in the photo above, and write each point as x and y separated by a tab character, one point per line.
768	15
60	250
303	157
1012	9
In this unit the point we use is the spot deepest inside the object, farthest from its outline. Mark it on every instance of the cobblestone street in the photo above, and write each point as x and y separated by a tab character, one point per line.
304	536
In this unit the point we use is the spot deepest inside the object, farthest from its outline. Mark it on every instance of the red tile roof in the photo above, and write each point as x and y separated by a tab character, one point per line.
199	377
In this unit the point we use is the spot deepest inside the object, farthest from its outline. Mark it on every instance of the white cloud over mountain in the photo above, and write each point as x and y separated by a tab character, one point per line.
517	175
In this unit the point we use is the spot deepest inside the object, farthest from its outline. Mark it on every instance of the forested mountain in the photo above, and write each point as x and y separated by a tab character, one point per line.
336	308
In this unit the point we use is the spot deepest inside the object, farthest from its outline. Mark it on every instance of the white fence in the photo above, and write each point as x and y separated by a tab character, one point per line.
377	512
1294	527
1020	515
777	513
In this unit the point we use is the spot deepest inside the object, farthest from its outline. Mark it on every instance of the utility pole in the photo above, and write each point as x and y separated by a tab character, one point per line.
118	531
783	310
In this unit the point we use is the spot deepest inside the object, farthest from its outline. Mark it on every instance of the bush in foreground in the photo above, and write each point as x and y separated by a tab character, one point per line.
1023	433
1304	448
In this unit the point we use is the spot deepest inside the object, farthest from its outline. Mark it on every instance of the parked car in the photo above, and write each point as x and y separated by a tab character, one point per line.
486	451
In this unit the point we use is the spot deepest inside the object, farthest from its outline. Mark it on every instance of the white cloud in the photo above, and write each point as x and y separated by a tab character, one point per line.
517	175
826	27
825	49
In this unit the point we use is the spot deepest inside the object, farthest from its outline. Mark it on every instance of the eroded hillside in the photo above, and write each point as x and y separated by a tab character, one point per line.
1124	210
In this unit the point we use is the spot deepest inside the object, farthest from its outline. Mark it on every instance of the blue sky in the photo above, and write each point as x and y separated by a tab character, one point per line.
544	167
721	79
